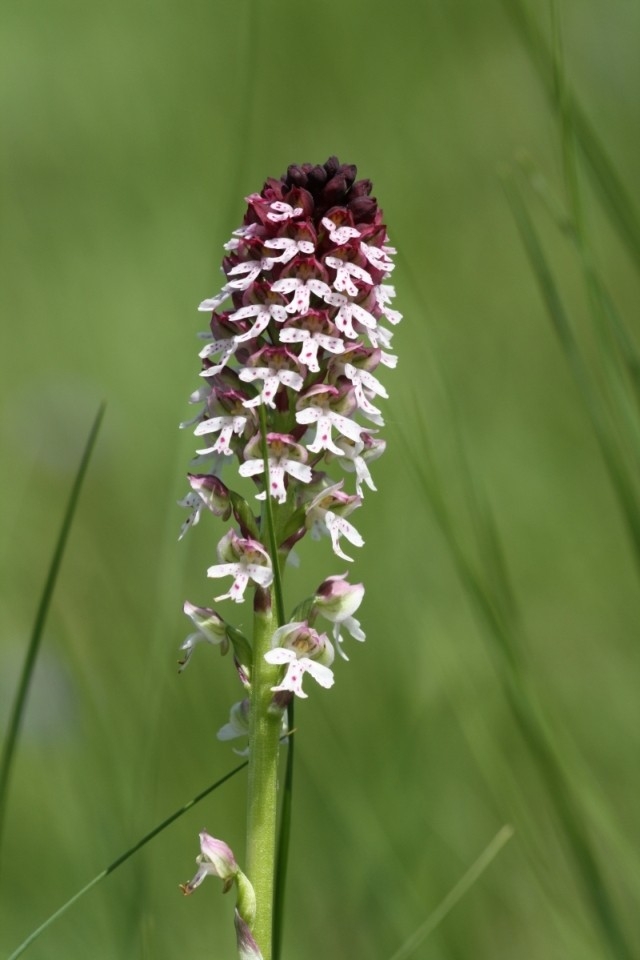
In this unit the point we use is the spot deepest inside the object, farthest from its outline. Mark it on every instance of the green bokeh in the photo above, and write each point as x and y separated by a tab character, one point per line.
132	132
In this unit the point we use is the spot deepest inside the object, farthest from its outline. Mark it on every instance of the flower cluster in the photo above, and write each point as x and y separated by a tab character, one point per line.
289	395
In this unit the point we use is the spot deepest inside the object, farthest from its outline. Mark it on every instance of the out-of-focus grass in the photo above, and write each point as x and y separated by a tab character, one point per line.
18	709
129	140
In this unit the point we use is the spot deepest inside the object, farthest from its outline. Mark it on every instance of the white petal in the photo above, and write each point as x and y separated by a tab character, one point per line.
278	312
261	575
300	471
363	316
213	302
251	467
293	335
245	267
248	374
346	426
332	344
223	570
308	414
279	243
321	674
253	310
290	379
261	324
339	235
318	287
280	655
286	285
210	426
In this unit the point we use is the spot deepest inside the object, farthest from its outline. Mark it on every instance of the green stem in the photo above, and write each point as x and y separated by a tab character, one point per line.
264	735
265	728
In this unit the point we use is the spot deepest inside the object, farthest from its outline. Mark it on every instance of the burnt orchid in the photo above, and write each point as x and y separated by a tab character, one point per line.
289	402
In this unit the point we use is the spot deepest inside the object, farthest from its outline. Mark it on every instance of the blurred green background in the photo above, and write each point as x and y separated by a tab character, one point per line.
131	133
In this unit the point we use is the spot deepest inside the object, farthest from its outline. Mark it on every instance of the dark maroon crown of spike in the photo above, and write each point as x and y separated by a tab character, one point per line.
331	184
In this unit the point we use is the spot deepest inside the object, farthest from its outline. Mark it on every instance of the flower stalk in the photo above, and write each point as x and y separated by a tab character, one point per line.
289	396
265	727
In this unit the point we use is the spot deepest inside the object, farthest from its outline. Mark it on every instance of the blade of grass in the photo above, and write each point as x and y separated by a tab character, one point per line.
510	789
621	479
628	351
494	566
526	711
284	834
122	859
616	374
489	544
615	198
454	896
20	702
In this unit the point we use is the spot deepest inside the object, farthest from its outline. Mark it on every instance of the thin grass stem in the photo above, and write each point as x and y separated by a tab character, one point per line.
623	482
464	884
284	834
615	198
528	715
19	705
122	859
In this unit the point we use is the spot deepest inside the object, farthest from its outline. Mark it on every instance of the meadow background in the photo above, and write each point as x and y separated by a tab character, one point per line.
131	133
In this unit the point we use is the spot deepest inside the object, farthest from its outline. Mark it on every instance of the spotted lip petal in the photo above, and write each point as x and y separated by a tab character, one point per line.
296	669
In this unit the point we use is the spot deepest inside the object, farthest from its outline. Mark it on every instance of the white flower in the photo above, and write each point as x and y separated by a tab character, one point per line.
363	380
238	725
207	306
226	427
378	257
215	860
339	527
263	312
345	271
384	294
209	627
252	563
196	505
226	349
278	467
198	396
302	290
283	211
297	668
272	377
339	235
289	248
325	419
312	341
347	313
355	456
252	270
321	518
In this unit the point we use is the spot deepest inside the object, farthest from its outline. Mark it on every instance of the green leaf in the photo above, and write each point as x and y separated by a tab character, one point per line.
241	646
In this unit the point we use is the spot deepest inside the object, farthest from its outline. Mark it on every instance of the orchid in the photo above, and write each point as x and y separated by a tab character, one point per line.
290	407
